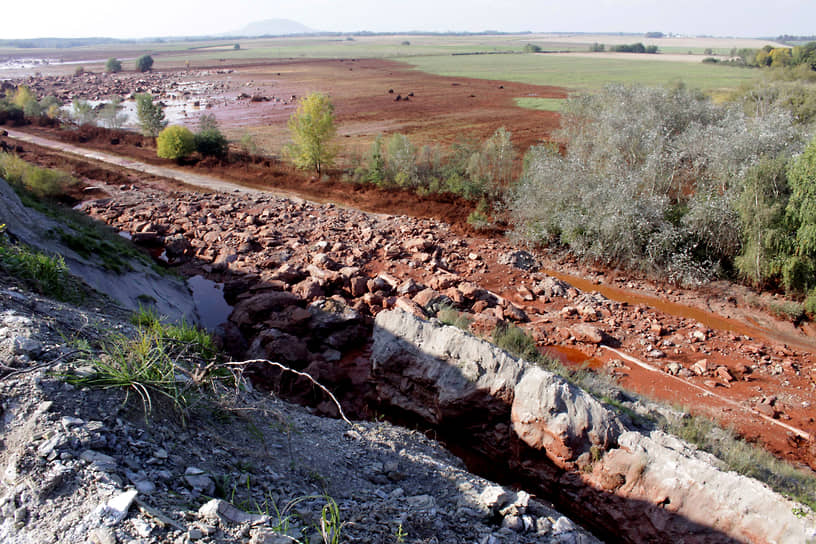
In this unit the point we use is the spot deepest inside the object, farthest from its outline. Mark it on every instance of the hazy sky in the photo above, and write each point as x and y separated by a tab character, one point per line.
143	18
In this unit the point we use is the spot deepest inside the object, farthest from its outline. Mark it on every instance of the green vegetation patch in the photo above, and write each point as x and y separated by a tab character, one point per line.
168	362
541	104
584	73
45	274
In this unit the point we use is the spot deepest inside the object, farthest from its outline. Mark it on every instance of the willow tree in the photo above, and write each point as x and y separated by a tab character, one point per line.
313	131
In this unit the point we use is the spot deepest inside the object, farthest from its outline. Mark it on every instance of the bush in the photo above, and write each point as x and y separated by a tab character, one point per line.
649	180
209	141
113	66
144	63
82	112
175	142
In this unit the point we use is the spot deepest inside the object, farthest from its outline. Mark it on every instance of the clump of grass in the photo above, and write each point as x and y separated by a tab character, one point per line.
746	459
170	362
449	315
46	274
515	341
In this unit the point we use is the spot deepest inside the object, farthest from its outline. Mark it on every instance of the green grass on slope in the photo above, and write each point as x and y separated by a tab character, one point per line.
584	73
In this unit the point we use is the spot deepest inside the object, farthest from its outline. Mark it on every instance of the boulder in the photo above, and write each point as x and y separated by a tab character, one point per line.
565	421
255	309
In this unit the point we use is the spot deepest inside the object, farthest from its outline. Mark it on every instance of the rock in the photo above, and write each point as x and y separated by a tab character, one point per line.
198	480
117	508
551	287
550	414
254	309
521	260
495	497
409	287
218	509
102	535
722	373
99	460
700	367
514	313
276	345
590	334
308	289
436	371
407	305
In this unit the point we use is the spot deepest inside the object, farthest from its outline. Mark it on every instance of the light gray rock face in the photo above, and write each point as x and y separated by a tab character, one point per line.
437	371
638	487
673	473
553	415
130	289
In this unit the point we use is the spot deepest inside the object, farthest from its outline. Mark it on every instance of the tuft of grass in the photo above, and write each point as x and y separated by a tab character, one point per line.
518	343
746	459
451	316
169	362
45	274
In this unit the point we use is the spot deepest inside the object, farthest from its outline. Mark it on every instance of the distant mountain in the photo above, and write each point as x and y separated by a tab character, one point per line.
272	27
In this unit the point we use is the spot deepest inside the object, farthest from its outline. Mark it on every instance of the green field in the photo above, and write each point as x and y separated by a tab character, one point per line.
585	73
542	104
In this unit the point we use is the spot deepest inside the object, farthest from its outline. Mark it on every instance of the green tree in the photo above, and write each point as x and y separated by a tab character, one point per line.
312	128
113	65
798	271
82	112
491	168
150	115
144	63
175	142
761	209
111	114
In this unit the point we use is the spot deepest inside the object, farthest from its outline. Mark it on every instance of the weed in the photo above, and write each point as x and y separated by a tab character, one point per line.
170	361
515	341
41	272
400	535
450	316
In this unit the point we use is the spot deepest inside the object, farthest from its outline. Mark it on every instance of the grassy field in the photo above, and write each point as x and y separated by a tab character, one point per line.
542	104
584	73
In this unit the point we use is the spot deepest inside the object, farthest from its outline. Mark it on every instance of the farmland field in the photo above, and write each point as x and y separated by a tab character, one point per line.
576	72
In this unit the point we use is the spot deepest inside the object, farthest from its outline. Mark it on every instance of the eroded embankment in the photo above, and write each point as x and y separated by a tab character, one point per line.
627	485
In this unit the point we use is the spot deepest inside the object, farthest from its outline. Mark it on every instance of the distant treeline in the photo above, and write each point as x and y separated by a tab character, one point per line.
625	48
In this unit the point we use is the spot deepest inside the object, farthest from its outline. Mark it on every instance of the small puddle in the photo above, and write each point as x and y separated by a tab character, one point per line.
573	358
125	234
209	300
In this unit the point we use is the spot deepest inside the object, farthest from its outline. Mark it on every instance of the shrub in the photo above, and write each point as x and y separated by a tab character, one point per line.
144	63
82	112
175	142
649	180
113	66
209	141
111	114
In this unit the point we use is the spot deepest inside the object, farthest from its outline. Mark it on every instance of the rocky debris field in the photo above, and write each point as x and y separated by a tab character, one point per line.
305	280
83	465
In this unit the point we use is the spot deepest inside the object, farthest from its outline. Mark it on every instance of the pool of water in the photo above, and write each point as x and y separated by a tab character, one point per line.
209	300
